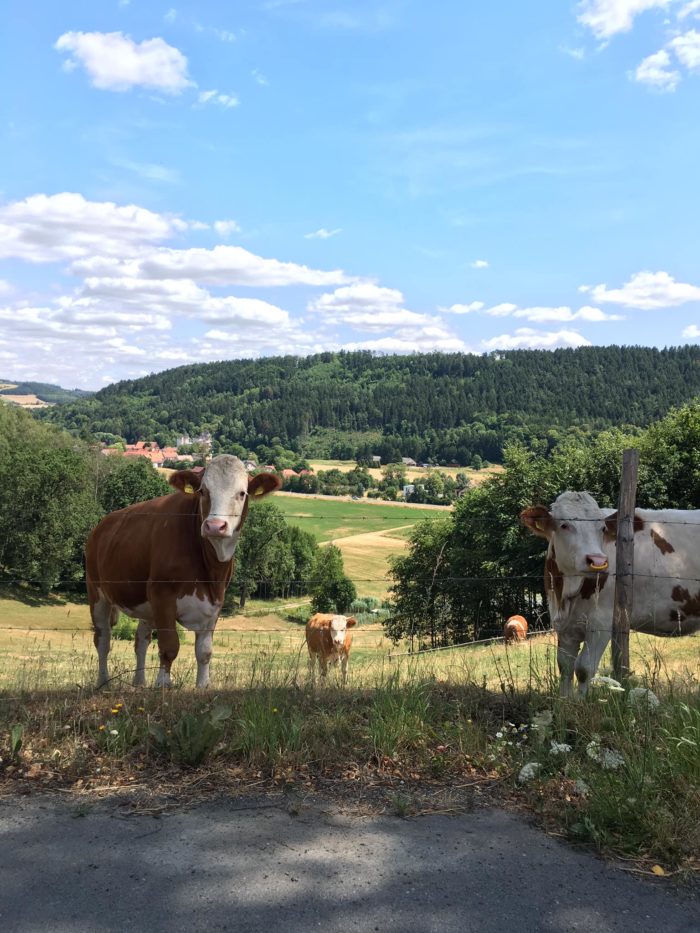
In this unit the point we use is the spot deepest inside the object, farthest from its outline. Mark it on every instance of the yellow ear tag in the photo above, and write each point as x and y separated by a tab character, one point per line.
539	526
189	488
259	491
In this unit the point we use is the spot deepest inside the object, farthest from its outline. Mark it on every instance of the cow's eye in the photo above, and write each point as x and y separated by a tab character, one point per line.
565	526
242	494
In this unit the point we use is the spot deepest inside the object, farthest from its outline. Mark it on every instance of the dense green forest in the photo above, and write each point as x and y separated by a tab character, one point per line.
43	390
434	407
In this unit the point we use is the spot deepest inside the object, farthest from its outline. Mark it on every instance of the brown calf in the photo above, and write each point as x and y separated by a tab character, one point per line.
170	560
515	629
327	639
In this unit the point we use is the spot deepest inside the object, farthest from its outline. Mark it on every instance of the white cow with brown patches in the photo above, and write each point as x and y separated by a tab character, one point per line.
580	577
170	560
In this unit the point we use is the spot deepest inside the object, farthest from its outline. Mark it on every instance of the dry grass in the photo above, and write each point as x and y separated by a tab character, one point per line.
435	720
412	473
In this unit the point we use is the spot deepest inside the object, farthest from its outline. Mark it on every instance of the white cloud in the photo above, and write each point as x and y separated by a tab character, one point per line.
5	287
501	310
656	72
646	290
692	8
693	332
171	15
480	264
323	234
527	339
49	228
226	227
150	171
114	62
605	18
222	265
227	101
687	49
565	314
259	77
410	340
368	307
465	309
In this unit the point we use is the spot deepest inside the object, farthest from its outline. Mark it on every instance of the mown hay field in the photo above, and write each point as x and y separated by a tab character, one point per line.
412	473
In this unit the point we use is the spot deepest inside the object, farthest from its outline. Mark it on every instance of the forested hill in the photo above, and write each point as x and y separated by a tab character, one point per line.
43	390
448	406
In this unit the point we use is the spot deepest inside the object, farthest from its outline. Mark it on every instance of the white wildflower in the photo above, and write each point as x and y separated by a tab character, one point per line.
559	748
642	696
611	760
114	732
581	788
499	735
608	758
529	772
609	683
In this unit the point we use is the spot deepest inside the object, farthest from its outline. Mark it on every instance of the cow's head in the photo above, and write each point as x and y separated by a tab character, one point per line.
339	627
223	488
576	528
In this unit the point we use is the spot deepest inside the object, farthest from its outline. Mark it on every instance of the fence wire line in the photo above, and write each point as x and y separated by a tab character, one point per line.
426	507
16	575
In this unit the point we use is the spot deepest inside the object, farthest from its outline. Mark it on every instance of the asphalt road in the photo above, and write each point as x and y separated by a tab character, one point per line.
249	865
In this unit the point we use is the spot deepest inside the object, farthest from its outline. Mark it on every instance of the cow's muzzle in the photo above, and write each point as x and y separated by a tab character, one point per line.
596	562
215	528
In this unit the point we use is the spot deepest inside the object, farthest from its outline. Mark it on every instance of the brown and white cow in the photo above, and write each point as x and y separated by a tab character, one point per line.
170	560
328	639
580	577
515	629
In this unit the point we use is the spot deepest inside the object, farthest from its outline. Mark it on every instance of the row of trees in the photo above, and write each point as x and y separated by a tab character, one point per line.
433	407
464	574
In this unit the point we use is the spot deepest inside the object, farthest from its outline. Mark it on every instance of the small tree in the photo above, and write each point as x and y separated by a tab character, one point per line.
331	590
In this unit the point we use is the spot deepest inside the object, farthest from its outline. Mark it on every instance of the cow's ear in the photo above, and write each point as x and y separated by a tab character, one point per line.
538	519
187	480
351	621
611	525
263	484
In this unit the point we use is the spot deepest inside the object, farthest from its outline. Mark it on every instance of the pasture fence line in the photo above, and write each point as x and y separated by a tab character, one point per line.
465	644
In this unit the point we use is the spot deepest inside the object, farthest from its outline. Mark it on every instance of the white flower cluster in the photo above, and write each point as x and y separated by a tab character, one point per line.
559	748
529	772
609	683
642	697
608	758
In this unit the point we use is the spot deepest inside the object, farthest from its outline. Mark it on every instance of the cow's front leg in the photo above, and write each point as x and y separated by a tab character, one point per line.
202	649
596	642
104	616
344	669
142	640
568	644
168	648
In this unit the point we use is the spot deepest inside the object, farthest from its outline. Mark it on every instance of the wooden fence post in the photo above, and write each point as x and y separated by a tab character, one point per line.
624	565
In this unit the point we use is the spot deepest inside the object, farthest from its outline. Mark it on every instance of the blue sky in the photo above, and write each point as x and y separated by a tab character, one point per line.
213	180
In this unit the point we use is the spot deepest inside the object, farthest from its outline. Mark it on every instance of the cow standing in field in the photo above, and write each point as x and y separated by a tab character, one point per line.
328	639
515	629
170	560
580	577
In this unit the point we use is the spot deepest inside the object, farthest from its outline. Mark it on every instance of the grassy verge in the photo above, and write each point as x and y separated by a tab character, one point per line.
622	776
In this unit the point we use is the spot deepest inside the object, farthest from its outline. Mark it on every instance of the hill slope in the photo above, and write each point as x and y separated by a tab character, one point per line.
54	395
450	406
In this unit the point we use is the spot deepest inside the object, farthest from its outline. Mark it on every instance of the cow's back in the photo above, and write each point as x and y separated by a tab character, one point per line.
157	540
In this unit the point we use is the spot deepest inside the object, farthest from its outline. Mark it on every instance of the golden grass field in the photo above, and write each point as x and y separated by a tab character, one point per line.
50	646
412	473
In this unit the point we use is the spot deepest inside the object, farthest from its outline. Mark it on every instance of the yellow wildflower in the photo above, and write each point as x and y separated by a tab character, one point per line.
102	728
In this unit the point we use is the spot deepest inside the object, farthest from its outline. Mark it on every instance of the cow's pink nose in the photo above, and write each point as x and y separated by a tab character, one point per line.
216	527
597	561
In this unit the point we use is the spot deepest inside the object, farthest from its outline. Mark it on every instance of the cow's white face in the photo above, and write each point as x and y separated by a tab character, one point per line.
339	627
576	529
223	490
224	503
